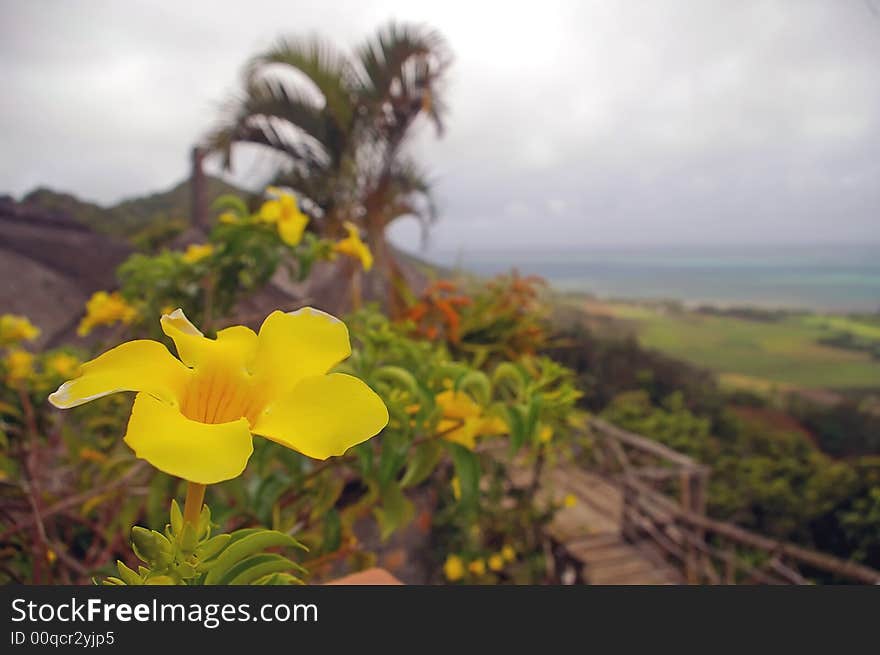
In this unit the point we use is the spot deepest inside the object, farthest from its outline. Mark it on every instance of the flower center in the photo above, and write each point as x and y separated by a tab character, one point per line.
217	395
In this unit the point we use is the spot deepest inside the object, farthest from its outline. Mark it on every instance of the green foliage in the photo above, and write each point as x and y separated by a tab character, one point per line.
188	555
783	351
771	480
243	257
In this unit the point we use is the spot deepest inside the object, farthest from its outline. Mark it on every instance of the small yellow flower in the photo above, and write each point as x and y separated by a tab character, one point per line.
193	417
460	410
62	364
412	409
51	556
19	366
453	569
228	218
477	567
508	553
196	252
545	434
14	328
570	500
496	562
284	212
352	246
456	488
105	309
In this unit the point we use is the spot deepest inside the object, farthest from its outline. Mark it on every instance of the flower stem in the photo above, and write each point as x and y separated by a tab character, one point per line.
192	509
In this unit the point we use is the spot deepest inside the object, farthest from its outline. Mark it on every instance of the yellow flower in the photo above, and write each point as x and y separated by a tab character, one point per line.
19	366
569	501
477	567
62	364
14	328
460	410
228	218
352	246
196	252
456	488
193	417
285	213
453	569
508	553
105	309
496	562
545	434
51	556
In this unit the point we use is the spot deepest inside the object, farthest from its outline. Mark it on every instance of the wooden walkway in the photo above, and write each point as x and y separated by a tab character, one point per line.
638	517
590	531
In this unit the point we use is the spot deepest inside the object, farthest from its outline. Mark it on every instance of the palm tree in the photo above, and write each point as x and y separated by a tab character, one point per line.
342	123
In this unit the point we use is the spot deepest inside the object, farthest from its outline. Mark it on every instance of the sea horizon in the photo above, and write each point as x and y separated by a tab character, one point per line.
839	278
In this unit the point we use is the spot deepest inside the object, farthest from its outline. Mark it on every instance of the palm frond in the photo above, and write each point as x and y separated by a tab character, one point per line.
401	70
325	67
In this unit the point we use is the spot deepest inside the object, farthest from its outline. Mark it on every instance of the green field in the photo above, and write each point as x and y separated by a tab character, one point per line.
785	351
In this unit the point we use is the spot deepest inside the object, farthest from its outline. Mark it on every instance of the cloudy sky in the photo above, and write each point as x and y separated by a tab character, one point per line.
573	124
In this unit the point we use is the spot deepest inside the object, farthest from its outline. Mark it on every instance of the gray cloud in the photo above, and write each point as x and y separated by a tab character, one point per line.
583	123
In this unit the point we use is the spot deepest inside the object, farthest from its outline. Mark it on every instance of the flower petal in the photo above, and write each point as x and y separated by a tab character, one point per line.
198	452
291	228
297	345
234	346
141	365
270	211
324	416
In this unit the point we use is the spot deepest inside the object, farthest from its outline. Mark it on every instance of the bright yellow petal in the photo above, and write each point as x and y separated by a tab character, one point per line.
291	228
457	404
234	346
198	452
270	211
465	434
324	416
134	366
366	258
297	345
493	426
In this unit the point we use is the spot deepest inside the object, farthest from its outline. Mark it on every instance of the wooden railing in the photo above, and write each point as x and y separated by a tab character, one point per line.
664	502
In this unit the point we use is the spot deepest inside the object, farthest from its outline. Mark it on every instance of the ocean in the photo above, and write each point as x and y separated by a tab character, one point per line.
834	278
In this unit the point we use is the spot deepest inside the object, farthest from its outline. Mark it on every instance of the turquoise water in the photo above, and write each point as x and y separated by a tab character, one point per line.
841	278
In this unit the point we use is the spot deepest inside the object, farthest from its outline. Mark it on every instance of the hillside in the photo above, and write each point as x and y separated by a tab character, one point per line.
128	217
753	349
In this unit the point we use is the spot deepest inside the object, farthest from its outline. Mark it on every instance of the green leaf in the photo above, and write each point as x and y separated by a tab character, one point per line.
127	575
212	547
257	566
516	422
151	547
396	510
422	464
176	518
531	421
279	579
399	375
467	470
332	531
509	372
478	385
229	202
244	547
